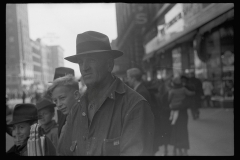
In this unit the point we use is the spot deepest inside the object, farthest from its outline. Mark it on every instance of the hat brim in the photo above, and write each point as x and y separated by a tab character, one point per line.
112	53
21	121
47	106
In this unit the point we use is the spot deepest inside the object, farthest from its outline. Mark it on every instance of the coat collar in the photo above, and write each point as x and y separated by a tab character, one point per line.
48	128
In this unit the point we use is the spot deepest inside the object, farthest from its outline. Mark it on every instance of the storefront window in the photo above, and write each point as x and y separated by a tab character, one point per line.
227	59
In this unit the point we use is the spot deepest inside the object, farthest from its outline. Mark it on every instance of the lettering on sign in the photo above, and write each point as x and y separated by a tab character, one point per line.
141	18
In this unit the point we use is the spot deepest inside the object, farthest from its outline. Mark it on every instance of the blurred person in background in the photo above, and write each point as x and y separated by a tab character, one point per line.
165	124
197	97
23	96
134	79
48	126
179	116
207	88
111	118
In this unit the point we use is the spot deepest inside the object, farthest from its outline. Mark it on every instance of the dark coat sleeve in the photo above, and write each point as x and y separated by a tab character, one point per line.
61	121
138	130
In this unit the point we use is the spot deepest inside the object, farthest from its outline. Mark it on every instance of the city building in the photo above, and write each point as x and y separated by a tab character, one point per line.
45	60
56	56
194	37
132	20
19	67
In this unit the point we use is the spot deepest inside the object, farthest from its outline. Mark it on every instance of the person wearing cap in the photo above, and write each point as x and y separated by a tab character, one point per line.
134	78
111	118
59	72
24	115
48	126
178	116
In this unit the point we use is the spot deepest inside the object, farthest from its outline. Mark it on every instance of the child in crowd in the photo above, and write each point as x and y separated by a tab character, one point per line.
48	126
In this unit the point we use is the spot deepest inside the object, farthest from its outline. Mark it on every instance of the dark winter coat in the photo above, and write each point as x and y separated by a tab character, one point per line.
123	124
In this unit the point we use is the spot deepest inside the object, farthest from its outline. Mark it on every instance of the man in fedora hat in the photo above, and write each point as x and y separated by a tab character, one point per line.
111	118
48	126
24	115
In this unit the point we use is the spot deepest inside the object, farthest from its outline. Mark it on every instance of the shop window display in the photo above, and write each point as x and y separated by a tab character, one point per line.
216	50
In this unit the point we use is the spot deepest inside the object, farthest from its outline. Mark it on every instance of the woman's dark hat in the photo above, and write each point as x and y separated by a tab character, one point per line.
43	103
63	71
24	112
93	43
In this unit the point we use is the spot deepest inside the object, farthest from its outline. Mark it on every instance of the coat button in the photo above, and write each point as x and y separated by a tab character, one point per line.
83	114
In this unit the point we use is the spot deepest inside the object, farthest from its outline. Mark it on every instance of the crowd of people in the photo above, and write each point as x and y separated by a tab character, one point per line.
108	116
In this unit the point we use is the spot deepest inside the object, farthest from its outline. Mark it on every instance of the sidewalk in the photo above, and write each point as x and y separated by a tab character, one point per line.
211	135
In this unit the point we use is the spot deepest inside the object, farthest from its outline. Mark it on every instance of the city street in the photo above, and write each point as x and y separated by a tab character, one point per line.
211	135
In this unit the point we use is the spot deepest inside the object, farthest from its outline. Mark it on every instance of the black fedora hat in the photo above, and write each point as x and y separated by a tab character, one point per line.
44	102
93	43
63	71
24	112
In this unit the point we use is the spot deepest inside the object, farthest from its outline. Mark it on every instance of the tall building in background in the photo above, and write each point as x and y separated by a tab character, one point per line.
56	56
132	20
45	60
37	61
19	67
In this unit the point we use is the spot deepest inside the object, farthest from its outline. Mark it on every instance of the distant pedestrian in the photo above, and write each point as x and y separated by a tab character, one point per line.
179	117
197	98
23	96
164	124
134	79
207	88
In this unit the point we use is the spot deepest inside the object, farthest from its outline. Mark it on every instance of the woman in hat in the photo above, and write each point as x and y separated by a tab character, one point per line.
49	126
178	116
24	115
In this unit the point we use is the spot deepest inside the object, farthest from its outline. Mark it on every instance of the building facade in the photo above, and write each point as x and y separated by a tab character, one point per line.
19	67
45	60
132	20
196	37
56	56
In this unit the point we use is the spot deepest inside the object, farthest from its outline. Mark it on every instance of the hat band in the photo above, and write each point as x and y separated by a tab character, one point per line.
91	46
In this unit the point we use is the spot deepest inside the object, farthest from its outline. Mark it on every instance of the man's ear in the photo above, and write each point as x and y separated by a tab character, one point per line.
76	94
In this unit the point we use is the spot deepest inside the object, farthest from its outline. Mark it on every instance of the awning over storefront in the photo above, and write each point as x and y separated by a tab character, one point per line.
191	31
147	56
216	22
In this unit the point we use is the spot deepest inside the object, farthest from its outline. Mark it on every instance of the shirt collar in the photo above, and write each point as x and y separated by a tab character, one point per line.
116	87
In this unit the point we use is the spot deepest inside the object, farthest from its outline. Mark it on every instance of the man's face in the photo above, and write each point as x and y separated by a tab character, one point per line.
46	116
64	98
93	70
20	133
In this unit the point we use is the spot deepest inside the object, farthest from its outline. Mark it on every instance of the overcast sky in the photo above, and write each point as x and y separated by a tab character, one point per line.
65	21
